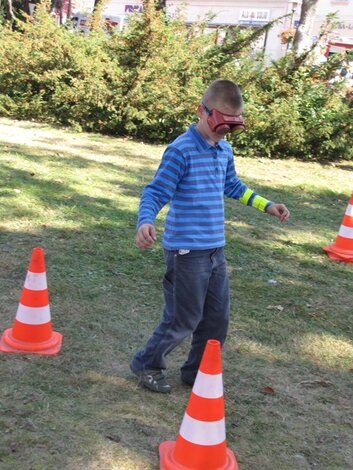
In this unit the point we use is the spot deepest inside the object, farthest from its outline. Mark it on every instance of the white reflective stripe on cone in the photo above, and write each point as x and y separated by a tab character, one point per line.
202	432
208	385
35	281
346	232
33	315
349	210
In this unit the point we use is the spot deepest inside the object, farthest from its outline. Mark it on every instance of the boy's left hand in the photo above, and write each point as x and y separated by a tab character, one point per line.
279	210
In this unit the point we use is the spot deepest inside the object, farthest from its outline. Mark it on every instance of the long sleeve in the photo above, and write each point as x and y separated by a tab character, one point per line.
162	188
236	189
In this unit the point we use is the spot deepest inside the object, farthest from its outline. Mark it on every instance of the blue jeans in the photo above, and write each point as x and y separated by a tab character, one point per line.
196	296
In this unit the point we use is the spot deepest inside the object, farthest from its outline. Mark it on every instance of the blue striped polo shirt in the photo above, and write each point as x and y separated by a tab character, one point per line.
193	177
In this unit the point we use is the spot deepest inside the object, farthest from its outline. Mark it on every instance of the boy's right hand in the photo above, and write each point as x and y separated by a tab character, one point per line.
146	236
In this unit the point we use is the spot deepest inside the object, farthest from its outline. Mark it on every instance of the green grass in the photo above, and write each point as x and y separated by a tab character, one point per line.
76	195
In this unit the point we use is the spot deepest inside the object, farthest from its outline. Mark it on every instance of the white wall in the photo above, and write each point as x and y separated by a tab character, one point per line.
112	7
228	12
344	9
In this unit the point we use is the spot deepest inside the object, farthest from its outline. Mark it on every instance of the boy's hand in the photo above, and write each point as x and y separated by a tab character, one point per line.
279	210
146	236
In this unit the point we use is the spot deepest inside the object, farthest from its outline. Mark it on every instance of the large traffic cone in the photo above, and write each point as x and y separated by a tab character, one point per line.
201	443
32	329
342	249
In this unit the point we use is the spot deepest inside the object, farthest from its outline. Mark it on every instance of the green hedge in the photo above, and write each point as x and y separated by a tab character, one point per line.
146	82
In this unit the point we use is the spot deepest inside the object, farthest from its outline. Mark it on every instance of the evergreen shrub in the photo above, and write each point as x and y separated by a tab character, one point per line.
146	82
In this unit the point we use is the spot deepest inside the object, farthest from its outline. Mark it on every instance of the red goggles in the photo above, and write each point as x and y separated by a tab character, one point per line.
219	121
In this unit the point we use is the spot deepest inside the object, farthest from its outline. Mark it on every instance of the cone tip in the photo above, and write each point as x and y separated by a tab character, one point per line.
211	362
37	263
213	342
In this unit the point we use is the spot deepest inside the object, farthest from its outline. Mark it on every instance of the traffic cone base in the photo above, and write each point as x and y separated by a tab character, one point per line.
10	344
338	254
167	461
342	248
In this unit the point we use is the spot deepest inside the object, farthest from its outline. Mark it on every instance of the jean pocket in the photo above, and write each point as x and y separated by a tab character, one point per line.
190	263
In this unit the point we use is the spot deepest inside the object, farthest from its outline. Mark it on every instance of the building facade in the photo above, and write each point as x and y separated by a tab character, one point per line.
342	35
247	14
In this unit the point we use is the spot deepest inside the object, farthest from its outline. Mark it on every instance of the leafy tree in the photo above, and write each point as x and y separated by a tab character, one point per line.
146	82
13	9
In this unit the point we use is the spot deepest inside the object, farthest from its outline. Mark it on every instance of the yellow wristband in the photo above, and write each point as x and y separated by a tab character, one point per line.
246	196
260	203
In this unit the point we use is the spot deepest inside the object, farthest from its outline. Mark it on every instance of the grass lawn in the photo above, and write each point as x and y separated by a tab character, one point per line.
288	360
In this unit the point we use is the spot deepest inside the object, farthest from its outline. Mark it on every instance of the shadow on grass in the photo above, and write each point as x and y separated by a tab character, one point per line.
306	204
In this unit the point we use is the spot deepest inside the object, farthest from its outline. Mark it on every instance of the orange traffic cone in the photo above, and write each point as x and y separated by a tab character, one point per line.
32	329
342	249
201	443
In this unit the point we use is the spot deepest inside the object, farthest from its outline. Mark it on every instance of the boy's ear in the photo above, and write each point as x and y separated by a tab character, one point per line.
199	110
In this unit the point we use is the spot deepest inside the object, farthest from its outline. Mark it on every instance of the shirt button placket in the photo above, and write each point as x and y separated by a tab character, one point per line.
215	161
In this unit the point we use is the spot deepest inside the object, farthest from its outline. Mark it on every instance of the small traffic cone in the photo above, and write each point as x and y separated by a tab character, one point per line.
342	249
201	443
32	329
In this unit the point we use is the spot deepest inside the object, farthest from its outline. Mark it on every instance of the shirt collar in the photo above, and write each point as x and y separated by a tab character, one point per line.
201	142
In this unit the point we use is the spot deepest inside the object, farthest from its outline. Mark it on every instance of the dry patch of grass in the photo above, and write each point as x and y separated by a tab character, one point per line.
288	358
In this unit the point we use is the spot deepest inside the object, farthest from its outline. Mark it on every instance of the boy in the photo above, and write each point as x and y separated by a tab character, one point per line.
195	173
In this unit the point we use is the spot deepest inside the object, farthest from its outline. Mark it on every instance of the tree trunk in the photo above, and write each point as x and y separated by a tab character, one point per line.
69	8
161	5
7	8
302	39
96	18
96	4
24	5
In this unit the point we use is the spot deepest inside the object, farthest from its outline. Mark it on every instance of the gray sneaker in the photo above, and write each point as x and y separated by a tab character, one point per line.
152	379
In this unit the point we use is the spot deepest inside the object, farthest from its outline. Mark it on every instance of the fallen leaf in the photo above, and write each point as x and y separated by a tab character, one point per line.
267	391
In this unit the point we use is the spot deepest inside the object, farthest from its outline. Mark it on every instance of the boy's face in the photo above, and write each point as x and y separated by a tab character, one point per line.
219	120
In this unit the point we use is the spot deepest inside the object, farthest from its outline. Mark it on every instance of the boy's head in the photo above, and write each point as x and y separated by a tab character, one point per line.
225	96
220	109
